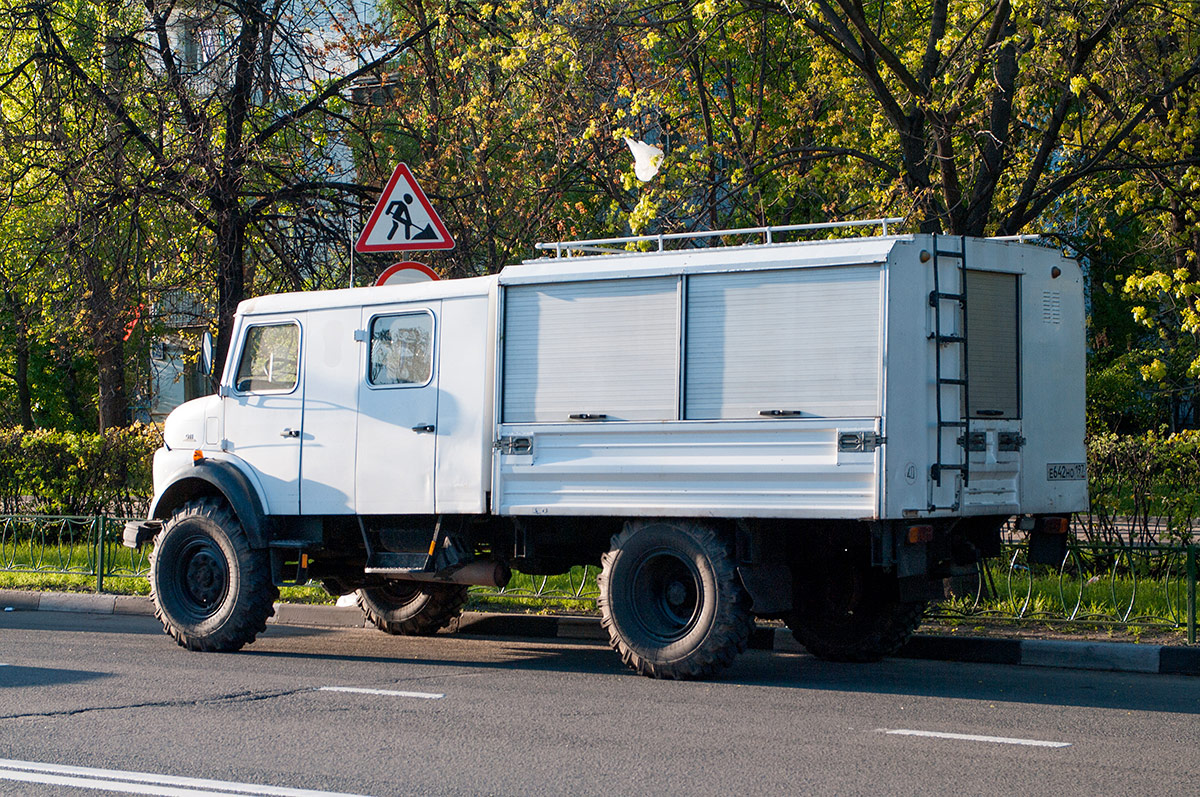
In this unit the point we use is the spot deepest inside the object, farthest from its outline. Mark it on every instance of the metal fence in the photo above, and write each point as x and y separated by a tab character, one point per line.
1121	585
71	546
1124	584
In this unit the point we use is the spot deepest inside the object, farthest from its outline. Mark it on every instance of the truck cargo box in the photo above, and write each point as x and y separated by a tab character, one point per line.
798	380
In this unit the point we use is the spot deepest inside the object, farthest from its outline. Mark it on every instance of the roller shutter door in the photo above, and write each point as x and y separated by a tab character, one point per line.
992	345
606	347
802	340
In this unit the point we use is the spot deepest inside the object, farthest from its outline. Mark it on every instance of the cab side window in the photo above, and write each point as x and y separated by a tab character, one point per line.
401	349
270	359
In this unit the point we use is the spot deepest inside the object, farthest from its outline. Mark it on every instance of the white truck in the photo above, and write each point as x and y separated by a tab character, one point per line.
818	432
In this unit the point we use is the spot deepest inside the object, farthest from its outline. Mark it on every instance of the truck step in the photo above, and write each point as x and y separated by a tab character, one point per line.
391	562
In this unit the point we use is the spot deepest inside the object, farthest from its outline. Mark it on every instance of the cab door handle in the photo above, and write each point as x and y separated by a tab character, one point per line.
289	432
425	427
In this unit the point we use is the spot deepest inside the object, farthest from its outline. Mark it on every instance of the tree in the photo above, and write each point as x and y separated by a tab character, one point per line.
983	100
235	115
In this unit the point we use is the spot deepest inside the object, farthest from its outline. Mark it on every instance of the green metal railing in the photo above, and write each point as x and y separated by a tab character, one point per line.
1105	584
63	545
1128	585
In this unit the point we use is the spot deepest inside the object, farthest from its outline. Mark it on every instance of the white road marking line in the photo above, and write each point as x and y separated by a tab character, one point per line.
388	692
142	782
972	737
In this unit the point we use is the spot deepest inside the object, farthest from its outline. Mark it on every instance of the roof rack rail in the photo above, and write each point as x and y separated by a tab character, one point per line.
604	245
1022	238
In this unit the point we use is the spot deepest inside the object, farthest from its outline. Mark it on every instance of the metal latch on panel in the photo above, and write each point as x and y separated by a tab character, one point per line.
360	335
514	445
860	441
1009	441
975	441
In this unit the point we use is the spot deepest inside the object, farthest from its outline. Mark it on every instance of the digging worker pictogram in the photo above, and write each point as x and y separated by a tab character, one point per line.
401	215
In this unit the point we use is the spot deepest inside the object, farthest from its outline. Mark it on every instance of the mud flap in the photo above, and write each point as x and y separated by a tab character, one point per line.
769	587
1046	548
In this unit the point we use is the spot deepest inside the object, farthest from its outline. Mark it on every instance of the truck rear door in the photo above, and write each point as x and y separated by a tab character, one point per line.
994	437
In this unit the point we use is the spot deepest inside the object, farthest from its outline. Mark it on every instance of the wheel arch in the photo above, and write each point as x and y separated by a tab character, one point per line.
215	478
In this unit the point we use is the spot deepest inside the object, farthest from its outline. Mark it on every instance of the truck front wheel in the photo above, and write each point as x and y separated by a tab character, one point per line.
847	610
211	590
412	609
671	600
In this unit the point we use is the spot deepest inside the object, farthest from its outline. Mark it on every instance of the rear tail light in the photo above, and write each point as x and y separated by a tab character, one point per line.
920	534
1056	525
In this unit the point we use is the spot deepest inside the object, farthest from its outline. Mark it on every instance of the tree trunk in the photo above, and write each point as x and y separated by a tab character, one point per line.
71	391
112	403
24	397
231	281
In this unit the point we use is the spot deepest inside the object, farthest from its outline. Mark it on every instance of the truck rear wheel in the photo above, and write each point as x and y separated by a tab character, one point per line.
847	610
211	590
412	609
671	600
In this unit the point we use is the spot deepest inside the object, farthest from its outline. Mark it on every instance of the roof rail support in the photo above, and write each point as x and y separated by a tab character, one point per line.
599	245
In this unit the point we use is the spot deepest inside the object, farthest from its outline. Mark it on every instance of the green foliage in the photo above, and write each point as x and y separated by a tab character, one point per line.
1119	401
77	473
137	170
1144	487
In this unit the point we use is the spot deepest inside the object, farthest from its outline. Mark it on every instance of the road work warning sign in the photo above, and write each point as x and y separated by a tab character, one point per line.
403	220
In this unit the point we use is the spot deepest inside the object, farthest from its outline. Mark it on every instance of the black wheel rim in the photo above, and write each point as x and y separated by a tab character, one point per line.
202	576
666	595
398	593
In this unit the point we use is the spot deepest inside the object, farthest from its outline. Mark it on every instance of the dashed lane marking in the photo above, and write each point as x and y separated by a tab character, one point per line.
142	782
387	692
972	737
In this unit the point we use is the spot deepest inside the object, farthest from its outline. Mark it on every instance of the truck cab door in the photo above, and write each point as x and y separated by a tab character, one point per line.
263	405
397	410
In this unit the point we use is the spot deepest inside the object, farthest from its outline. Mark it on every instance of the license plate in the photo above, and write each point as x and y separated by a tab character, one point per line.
1066	471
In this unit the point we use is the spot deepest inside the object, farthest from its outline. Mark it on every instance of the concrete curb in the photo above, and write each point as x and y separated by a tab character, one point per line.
1080	655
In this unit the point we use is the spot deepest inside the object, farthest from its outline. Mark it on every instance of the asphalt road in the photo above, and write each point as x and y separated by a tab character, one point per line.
115	697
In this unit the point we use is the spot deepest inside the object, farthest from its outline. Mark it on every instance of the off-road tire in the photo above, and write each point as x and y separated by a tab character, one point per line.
211	590
671	599
411	609
849	611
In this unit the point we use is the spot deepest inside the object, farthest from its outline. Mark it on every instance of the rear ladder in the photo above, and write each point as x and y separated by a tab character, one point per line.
957	385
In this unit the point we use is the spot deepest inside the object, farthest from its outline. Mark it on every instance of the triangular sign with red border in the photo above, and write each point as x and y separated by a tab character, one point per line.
403	220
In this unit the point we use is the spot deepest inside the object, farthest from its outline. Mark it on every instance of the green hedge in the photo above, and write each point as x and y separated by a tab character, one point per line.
77	473
1144	488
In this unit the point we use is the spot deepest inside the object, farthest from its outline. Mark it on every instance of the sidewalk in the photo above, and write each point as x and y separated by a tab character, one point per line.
1081	655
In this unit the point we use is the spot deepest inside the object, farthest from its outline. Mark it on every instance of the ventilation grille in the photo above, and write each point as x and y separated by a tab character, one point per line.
1051	307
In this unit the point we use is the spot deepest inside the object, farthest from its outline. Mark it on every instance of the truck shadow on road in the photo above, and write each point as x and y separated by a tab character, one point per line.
20	677
795	675
991	683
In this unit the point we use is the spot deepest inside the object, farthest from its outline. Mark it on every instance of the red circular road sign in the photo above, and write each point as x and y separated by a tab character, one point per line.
406	272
